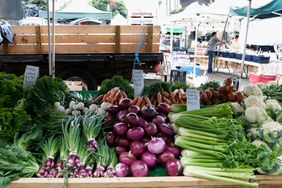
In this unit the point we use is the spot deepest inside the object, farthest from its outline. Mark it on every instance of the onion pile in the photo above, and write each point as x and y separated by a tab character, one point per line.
143	138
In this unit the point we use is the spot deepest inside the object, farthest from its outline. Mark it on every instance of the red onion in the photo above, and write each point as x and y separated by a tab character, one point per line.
165	157
135	133
151	129
150	159
121	170
145	140
120	128
134	108
139	169
148	112
173	167
112	109
60	164
119	150
133	119
163	108
127	158
158	120
173	149
123	142
110	137
122	116
137	148
166	129
142	122
156	145
125	103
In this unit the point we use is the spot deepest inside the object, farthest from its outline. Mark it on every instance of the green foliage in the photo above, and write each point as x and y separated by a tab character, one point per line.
42	4
273	91
116	81
157	87
212	84
119	6
44	94
10	89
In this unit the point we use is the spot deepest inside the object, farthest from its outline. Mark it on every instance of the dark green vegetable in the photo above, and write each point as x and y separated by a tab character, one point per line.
212	84
44	94
116	81
10	89
156	87
273	91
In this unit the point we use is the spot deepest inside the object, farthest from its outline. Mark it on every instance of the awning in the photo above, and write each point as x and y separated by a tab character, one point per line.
176	29
271	9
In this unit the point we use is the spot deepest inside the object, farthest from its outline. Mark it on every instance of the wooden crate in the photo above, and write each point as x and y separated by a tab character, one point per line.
83	39
180	181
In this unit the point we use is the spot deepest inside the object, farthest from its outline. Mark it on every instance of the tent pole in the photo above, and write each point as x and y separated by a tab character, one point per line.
49	40
53	39
171	37
246	38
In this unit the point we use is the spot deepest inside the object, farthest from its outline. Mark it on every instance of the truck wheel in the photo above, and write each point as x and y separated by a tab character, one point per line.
87	79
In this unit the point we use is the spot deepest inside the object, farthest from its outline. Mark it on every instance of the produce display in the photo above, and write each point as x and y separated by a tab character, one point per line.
48	131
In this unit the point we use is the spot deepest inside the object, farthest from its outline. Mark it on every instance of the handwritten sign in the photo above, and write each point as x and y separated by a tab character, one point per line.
193	99
30	75
138	81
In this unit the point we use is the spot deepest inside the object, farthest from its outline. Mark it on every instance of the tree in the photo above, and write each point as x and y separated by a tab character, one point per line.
116	7
42	4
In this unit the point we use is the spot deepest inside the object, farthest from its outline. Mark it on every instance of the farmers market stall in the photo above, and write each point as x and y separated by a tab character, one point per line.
171	135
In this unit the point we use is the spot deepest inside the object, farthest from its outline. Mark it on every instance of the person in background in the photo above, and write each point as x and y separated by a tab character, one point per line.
213	42
234	43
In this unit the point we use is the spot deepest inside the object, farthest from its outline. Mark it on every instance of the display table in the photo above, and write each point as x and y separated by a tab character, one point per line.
180	181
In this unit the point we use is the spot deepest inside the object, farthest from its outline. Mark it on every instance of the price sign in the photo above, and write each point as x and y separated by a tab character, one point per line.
30	76
193	99
138	81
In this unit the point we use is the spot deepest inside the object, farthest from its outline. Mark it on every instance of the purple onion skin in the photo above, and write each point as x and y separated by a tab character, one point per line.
134	108
137	148
127	158
121	170
41	172
120	128
124	142
122	116
53	173
133	119
60	164
145	140
166	156
150	159
158	120
110	137
166	129
46	173
168	140
148	112
77	161
142	122
135	133
163	108
173	149
89	172
151	129
119	150
125	103
82	171
71	160
156	145
112	109
139	169
173	168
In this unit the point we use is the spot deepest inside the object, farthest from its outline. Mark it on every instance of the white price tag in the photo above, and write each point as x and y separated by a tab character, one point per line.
193	99
30	75
138	81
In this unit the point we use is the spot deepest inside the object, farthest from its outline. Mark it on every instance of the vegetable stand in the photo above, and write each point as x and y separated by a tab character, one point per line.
180	181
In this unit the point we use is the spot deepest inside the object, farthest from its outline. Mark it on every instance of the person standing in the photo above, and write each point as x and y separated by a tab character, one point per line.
234	43
213	42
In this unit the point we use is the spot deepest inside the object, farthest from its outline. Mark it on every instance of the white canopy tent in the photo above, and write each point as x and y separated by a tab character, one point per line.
119	20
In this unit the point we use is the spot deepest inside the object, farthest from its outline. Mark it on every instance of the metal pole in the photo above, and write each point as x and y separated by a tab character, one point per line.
246	37
196	36
49	40
171	37
54	40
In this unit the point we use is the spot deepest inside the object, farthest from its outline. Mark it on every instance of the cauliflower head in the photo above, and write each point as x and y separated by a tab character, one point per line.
272	105
253	133
237	108
252	90
271	132
256	115
259	142
252	101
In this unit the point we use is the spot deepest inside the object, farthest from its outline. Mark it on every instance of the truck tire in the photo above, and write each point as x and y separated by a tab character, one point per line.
81	75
